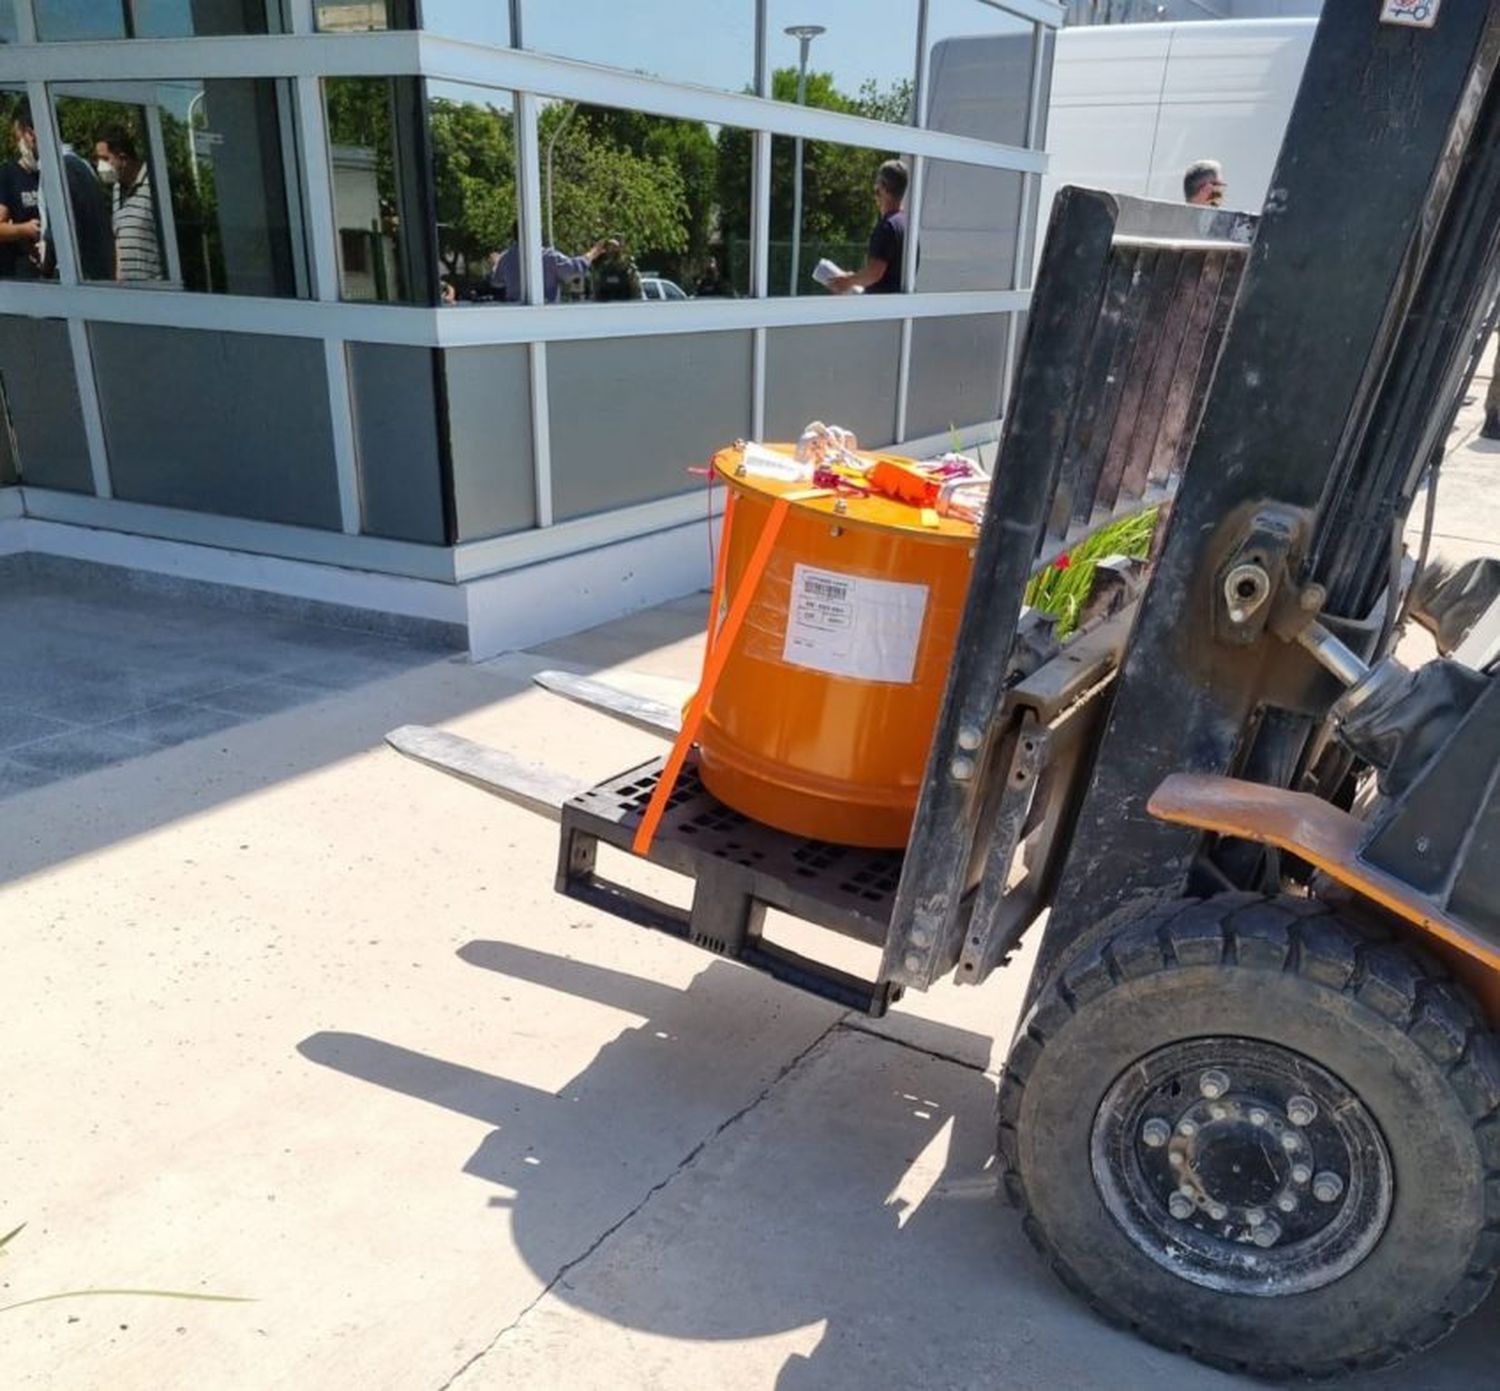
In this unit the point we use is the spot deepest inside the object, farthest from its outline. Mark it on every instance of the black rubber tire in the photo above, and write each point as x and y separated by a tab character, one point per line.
1290	972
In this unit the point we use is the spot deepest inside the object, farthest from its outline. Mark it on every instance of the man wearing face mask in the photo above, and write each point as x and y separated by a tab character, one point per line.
137	245
95	242
20	212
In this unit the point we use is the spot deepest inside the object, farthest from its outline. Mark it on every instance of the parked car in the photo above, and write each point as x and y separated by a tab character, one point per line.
657	287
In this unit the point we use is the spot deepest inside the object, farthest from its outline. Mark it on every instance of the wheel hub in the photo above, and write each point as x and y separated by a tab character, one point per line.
1242	1166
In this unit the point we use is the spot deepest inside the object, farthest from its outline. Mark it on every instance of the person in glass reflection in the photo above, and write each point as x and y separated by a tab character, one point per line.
137	248
557	270
1203	183
881	273
96	243
712	284
20	211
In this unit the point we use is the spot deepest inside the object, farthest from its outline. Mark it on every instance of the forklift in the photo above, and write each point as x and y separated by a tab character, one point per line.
1252	1109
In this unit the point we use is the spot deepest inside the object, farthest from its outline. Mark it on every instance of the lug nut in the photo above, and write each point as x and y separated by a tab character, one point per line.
1188	1127
1156	1132
1327	1187
1257	1116
1300	1173
1255	1217
1289	1142
1267	1234
1175	1159
1214	1083
1302	1110
1218	1211
1218	1111
1287	1202
1180	1207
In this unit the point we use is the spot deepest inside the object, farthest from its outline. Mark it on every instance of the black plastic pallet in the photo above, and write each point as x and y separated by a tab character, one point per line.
739	868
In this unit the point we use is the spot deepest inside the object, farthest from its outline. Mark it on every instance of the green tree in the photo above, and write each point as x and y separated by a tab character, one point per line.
603	188
838	201
474	175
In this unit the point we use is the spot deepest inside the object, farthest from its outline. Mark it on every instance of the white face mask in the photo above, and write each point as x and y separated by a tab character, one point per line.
106	172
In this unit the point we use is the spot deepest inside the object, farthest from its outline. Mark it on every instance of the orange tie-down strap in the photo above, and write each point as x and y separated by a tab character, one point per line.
720	645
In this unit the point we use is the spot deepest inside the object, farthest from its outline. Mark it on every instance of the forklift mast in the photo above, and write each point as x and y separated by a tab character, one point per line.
1364	287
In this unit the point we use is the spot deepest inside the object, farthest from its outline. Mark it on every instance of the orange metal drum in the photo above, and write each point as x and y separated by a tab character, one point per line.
821	720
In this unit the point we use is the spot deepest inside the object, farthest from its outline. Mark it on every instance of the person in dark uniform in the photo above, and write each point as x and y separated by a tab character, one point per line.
20	211
881	273
91	215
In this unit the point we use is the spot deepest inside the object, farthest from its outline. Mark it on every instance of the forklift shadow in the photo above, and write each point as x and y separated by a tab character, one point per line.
759	1203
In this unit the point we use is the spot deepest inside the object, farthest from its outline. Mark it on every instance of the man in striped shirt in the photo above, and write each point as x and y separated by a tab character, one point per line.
137	242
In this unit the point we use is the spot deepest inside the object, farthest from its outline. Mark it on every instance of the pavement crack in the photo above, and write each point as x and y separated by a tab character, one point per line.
857	1026
682	1165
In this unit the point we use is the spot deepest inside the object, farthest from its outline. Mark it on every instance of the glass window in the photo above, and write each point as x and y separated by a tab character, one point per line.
156	19
979	63
184	183
710	43
637	206
862	57
474	172
970	219
478	21
7	21
381	204
845	227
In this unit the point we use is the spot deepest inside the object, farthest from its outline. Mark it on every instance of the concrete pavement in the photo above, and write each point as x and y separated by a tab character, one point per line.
291	1018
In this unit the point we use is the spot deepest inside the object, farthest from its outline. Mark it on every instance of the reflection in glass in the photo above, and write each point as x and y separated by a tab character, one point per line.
381	204
978	71
840	212
155	19
478	21
710	43
25	244
645	201
864	60
474	172
361	16
194	181
7	21
970	220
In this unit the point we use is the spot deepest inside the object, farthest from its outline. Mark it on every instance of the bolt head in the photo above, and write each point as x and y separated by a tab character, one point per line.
1188	1127
1257	1116
1175	1160
962	769
1267	1234
1156	1132
1255	1217
970	738
1218	1111
1218	1211
913	961
1180	1207
1289	1142
1301	1173
1287	1202
1328	1187
1214	1083
1302	1110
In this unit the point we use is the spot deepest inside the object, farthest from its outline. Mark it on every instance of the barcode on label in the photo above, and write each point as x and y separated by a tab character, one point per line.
818	587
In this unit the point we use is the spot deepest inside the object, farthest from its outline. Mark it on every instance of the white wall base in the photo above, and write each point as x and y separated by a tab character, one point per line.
501	612
520	608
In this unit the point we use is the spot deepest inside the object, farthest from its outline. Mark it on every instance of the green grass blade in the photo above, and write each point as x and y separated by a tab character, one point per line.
149	1294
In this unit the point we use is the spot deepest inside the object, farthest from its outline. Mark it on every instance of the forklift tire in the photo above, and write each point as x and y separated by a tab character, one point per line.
1256	1133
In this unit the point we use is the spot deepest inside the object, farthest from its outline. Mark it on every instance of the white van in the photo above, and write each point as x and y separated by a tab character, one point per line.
1134	104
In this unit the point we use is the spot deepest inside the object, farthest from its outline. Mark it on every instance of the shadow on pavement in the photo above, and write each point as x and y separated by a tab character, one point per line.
859	1180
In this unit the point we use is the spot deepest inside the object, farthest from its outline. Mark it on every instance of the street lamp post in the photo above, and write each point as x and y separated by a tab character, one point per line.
804	34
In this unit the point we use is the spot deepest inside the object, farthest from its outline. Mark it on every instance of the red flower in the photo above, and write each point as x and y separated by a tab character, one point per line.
1062	562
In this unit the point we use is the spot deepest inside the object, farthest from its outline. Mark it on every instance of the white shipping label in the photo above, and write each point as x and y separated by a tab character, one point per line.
1415	14
847	625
